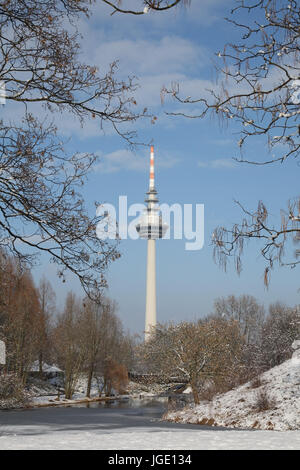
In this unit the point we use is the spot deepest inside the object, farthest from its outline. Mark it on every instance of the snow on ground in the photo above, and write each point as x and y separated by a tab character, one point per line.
43	392
46	367
129	426
239	407
151	439
77	398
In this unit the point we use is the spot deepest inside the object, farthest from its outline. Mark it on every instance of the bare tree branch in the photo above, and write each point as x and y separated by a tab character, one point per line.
147	5
259	90
41	209
230	243
260	79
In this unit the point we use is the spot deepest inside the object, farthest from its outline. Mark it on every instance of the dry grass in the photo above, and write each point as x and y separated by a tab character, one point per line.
263	401
256	382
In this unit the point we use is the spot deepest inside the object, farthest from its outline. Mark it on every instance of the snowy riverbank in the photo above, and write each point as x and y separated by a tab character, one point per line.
272	402
43	393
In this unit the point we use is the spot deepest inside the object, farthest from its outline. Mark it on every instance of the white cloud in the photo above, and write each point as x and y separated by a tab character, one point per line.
218	164
148	57
125	160
120	160
155	62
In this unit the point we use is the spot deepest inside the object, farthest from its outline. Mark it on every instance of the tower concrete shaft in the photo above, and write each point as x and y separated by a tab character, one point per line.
150	320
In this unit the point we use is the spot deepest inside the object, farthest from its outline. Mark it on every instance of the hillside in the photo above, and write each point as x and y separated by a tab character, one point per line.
270	402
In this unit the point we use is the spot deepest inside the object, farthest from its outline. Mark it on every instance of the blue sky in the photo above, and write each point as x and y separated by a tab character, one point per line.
194	164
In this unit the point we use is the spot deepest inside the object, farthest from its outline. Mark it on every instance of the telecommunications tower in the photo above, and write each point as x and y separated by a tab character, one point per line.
151	227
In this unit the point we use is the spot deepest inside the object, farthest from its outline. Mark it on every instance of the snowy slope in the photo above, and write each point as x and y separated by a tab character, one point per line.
239	407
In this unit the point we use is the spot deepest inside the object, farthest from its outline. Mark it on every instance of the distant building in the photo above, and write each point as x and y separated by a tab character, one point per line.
52	373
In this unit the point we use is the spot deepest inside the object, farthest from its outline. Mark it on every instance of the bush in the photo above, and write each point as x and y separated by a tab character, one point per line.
116	377
12	393
119	378
256	382
263	401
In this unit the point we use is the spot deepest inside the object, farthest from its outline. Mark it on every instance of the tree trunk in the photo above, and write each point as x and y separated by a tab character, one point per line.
195	394
68	386
41	365
107	389
90	378
104	385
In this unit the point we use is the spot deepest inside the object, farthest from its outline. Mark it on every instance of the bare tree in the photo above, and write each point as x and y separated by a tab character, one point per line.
21	320
91	331
112	352
68	343
41	209
259	90
108	350
246	310
40	63
280	329
47	308
198	352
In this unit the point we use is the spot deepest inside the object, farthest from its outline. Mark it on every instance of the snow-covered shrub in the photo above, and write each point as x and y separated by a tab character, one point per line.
12	393
263	401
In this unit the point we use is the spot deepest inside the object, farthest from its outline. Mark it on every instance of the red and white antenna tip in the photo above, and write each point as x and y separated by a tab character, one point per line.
151	181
